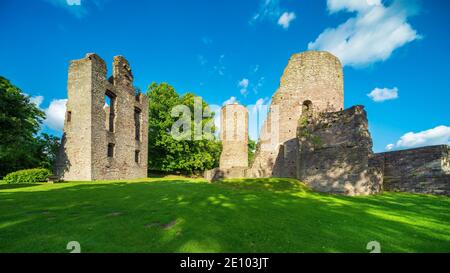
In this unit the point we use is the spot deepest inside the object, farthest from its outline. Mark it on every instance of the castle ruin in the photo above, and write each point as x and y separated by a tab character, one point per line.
106	124
309	136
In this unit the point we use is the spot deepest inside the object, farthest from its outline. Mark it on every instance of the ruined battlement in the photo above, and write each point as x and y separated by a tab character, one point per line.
335	151
106	123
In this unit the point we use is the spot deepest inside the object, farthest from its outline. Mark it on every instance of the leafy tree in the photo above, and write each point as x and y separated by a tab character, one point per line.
19	123
168	154
203	153
48	147
251	151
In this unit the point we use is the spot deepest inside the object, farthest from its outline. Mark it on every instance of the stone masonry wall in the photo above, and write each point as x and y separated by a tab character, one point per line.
234	136
312	80
335	153
87	135
422	170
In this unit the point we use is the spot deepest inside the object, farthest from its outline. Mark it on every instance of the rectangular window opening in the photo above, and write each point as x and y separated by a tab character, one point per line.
110	104
137	123
111	150
137	156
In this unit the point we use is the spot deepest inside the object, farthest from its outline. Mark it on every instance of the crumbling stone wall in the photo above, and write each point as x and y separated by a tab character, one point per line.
312	80
335	153
103	142
422	170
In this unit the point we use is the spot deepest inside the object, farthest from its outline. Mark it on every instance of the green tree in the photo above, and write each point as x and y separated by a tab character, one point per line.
251	151
48	147
203	153
168	154
19	123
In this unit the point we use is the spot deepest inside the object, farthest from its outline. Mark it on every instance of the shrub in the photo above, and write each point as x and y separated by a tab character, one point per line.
28	176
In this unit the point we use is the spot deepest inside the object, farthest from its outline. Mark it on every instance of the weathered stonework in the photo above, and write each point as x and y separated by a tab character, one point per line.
312	80
101	141
422	170
308	136
234	137
335	152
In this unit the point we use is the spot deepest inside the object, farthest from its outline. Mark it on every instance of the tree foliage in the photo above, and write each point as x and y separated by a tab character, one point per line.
251	151
168	154
20	145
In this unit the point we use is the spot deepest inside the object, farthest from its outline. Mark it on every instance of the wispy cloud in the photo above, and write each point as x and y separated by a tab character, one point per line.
78	8
220	68
243	84
372	35
258	85
286	19
383	94
206	40
202	60
37	100
270	10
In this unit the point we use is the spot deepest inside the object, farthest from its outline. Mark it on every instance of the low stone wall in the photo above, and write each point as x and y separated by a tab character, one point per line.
218	173
335	153
422	170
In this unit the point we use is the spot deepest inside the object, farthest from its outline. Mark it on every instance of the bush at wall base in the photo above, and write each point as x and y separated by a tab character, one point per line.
28	176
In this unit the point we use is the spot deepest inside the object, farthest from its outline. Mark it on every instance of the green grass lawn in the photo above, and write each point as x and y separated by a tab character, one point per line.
188	215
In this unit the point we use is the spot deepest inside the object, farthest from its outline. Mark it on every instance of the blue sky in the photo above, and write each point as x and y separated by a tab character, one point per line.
395	52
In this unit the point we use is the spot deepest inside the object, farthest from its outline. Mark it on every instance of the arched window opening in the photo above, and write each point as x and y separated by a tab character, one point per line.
307	107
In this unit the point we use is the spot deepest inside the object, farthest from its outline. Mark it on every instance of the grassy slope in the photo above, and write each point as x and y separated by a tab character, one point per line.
270	215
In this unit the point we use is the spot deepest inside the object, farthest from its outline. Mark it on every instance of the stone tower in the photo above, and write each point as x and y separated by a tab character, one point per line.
312	81
106	123
234	136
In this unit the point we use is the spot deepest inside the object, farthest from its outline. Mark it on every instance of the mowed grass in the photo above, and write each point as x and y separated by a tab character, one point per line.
188	215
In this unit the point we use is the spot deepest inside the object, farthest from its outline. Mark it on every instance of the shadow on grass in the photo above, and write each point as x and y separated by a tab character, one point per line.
259	215
16	186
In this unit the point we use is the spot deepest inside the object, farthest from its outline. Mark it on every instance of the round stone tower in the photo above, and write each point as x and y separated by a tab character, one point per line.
234	136
312	81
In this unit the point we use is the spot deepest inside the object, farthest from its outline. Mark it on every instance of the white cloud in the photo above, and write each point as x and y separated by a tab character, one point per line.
231	100
77	8
270	10
243	84
383	94
389	147
286	19
55	114
372	35
73	2
435	136
37	100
